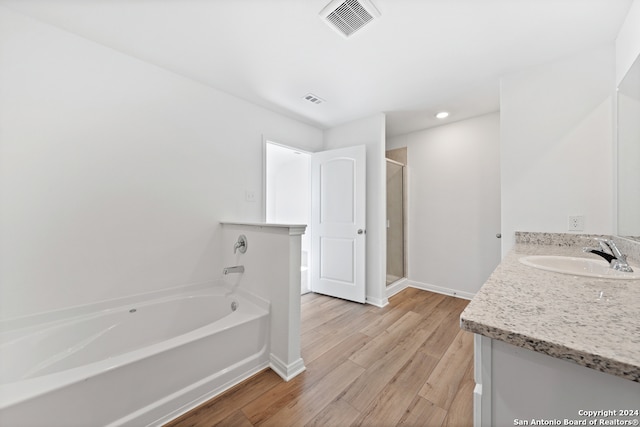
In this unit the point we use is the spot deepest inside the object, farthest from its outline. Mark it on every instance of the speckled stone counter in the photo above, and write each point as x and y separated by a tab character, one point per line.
592	322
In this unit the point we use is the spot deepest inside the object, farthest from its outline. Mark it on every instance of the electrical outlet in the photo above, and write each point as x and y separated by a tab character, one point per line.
576	223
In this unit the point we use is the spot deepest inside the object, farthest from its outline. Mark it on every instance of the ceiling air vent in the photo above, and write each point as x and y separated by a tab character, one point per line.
348	16
313	98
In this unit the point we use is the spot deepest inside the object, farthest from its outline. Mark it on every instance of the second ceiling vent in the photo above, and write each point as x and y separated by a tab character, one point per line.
348	16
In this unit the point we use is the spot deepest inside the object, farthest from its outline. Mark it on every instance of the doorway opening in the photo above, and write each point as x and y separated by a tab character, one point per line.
326	191
396	215
288	196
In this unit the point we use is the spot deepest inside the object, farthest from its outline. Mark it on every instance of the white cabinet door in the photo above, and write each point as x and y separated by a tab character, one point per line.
338	218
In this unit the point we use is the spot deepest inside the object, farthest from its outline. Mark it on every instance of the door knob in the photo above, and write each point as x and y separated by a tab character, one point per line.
361	231
498	235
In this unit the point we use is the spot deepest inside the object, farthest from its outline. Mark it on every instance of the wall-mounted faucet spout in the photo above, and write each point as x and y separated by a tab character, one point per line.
234	269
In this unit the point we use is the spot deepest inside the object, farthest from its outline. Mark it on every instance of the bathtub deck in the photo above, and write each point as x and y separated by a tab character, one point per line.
405	364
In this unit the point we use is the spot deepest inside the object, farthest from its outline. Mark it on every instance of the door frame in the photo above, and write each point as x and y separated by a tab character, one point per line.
405	232
309	230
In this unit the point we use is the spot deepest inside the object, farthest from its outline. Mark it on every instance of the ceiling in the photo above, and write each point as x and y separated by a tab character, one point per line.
419	57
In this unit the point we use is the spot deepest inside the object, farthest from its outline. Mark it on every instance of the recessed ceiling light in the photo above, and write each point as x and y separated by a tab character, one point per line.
442	115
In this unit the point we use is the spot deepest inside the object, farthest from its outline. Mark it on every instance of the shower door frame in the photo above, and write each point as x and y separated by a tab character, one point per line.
404	223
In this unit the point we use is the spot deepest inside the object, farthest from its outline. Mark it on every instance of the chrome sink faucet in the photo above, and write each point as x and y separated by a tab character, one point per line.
609	251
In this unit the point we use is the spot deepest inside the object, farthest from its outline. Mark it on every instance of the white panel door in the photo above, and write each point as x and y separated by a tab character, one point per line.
338	218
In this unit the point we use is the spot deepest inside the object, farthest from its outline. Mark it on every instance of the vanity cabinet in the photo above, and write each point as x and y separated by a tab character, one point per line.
516	386
552	348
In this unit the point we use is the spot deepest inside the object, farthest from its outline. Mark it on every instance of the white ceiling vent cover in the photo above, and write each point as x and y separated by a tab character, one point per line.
313	98
348	16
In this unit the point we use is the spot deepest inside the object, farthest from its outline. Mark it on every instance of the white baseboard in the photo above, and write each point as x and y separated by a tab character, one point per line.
397	286
378	302
286	372
441	290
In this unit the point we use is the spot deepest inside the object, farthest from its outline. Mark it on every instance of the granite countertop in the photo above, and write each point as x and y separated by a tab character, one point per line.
592	322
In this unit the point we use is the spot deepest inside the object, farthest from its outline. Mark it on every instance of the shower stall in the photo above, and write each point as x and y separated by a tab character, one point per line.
396	199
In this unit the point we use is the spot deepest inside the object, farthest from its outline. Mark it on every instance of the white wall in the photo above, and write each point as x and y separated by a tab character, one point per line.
454	204
556	145
628	41
369	131
628	111
115	173
629	154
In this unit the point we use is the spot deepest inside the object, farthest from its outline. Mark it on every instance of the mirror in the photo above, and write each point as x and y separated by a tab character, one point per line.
629	154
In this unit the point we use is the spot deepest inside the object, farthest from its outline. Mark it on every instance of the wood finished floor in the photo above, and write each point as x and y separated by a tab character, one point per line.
407	364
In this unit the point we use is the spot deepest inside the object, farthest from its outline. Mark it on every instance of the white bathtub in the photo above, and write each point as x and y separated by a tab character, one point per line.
141	363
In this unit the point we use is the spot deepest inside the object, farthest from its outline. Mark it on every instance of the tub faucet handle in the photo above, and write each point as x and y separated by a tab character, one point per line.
241	244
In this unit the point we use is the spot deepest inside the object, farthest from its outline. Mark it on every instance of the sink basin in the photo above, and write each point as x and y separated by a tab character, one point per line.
578	266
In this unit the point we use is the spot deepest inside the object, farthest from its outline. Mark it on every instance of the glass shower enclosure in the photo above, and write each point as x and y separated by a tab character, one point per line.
395	221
